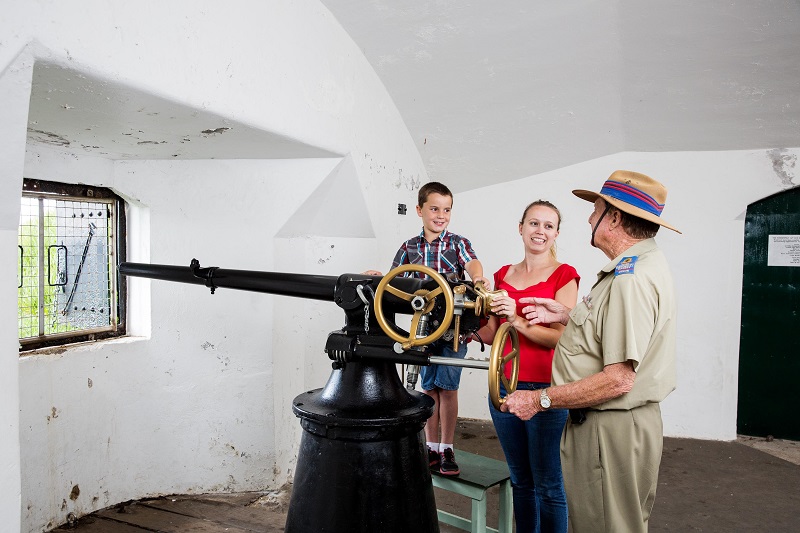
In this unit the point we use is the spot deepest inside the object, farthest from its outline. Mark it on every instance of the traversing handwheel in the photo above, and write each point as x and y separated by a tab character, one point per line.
422	302
498	361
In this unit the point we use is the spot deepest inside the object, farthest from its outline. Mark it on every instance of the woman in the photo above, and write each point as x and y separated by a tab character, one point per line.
532	447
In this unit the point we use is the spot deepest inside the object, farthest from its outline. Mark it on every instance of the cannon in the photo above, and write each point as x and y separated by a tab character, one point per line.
362	464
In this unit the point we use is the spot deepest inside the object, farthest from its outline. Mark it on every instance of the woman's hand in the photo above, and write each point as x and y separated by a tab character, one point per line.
504	306
545	311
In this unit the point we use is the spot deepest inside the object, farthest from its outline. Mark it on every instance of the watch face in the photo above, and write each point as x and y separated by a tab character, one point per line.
545	400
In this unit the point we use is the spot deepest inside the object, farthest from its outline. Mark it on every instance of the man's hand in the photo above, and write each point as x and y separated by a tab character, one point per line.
372	273
523	403
545	311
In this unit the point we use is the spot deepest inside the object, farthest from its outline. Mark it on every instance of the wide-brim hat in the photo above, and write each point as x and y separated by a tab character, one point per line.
634	193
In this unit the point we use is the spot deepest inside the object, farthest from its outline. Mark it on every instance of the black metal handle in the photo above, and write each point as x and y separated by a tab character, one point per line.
21	275
49	266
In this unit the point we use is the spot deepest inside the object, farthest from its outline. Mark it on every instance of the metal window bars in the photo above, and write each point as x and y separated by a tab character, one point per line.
67	271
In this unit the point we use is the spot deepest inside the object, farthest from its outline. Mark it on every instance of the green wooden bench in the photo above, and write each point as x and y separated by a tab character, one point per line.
478	475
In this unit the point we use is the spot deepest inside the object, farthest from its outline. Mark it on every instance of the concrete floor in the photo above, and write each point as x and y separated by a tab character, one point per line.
706	486
787	450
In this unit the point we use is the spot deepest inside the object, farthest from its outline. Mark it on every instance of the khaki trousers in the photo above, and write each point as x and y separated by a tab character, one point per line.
610	465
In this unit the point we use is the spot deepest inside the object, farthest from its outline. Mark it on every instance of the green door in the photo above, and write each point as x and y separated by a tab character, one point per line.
769	349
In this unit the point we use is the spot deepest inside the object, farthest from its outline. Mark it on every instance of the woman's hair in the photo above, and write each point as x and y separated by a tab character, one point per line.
544	203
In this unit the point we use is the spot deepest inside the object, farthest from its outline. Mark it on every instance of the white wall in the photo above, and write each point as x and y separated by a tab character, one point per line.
201	402
15	89
190	408
302	327
708	195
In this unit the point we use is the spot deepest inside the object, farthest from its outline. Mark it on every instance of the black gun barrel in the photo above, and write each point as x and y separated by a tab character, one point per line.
298	285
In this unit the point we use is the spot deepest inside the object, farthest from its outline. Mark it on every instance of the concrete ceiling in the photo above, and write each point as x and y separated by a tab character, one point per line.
86	115
496	91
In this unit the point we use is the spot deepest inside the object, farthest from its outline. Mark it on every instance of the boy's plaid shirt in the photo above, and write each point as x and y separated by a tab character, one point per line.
447	254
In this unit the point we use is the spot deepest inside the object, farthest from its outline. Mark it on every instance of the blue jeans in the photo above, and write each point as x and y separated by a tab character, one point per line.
442	376
533	453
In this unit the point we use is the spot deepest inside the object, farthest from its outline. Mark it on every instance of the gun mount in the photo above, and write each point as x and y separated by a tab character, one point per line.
363	429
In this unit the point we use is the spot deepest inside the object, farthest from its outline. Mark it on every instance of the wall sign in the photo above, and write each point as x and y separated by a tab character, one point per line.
784	250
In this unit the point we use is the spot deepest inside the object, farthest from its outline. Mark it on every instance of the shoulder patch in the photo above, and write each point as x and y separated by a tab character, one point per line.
626	265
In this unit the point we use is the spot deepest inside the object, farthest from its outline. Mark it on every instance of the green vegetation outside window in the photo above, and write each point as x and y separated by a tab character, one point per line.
69	246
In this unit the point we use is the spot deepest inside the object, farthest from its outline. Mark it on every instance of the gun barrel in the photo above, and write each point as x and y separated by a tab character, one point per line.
298	285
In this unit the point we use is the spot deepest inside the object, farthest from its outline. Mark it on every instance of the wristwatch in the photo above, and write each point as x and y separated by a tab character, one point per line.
544	399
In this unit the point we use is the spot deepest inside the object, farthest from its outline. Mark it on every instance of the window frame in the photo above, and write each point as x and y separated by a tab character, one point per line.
83	193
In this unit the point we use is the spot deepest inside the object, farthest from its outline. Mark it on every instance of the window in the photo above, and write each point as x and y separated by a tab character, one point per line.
71	238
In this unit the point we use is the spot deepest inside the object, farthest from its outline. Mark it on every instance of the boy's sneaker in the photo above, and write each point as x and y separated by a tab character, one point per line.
434	460
448	465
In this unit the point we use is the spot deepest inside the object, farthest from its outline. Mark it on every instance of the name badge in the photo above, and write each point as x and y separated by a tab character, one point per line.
626	265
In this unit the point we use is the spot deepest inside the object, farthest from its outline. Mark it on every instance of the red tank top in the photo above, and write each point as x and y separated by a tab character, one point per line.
535	361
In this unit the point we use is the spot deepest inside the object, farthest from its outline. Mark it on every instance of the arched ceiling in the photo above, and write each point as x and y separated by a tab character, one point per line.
496	91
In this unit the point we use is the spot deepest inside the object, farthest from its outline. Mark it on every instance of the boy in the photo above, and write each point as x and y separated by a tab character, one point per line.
451	255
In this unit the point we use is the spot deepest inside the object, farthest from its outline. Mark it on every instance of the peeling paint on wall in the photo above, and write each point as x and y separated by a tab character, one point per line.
783	163
410	183
323	260
47	137
217	130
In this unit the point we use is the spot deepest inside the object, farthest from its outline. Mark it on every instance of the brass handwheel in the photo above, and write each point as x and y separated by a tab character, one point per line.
422	301
498	361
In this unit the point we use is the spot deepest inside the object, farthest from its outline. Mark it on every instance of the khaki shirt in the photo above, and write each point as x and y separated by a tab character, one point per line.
628	316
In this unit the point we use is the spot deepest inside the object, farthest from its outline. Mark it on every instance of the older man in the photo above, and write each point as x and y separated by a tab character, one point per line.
614	363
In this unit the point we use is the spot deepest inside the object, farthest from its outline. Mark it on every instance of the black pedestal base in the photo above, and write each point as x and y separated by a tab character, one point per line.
363	464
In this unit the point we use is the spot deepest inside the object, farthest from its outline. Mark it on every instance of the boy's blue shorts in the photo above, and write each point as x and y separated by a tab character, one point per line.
441	376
